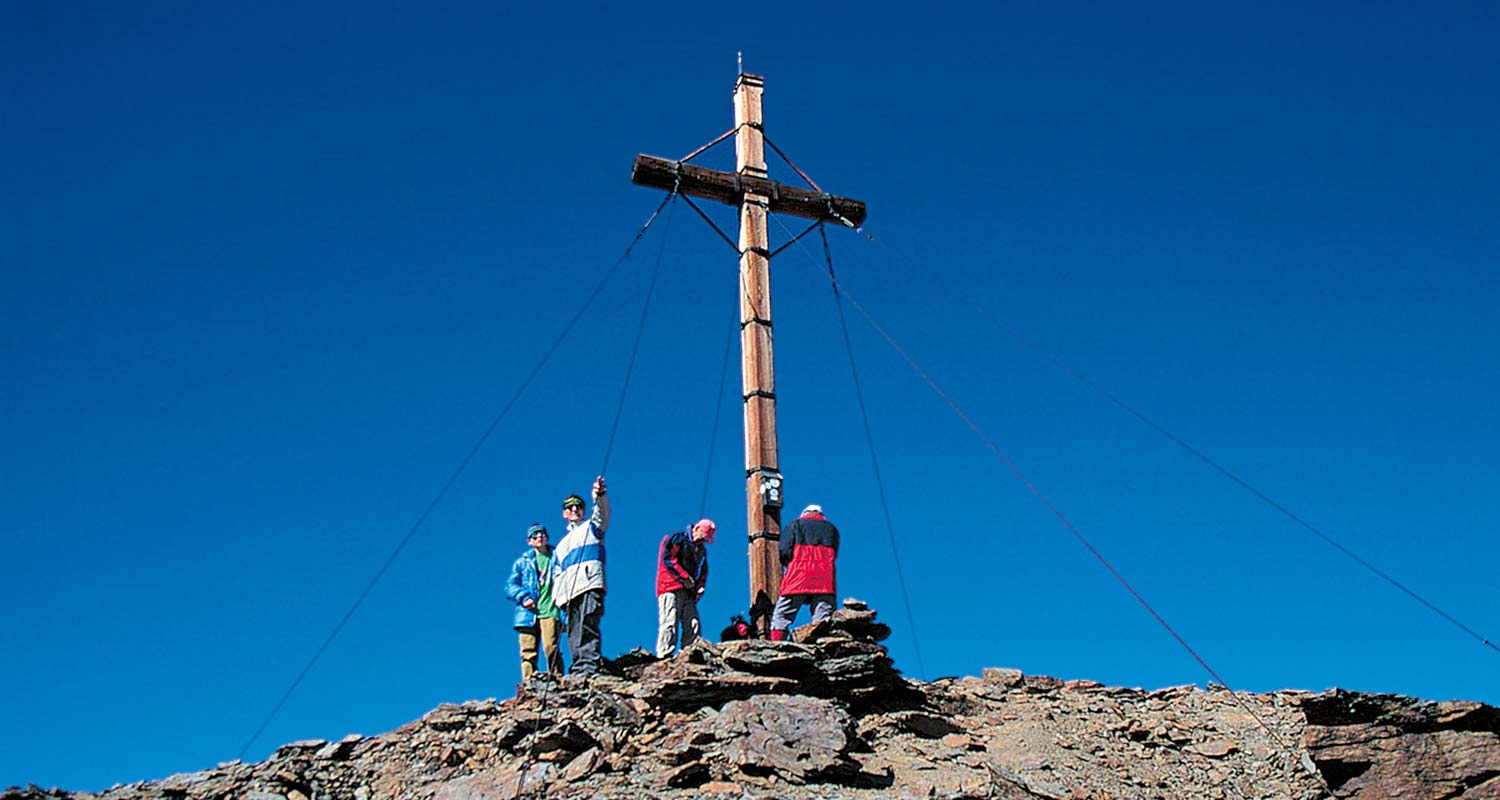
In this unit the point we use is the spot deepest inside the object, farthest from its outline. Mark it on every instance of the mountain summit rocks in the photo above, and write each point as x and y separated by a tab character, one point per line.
828	716
1390	746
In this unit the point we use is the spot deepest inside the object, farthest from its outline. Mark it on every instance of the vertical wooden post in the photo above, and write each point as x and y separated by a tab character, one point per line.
762	474
756	195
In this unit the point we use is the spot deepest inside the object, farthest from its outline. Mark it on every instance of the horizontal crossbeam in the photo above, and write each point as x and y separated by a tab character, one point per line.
730	189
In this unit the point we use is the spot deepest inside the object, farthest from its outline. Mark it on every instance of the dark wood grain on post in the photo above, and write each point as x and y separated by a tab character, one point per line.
764	522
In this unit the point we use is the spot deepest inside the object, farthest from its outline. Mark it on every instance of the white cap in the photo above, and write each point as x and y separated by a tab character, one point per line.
812	509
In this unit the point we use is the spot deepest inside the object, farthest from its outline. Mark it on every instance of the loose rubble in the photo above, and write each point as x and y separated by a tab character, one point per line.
827	715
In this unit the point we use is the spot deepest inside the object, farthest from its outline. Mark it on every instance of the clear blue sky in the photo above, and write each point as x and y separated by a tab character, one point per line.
270	271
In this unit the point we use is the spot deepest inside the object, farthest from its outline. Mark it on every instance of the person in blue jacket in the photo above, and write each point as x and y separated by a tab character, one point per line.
538	617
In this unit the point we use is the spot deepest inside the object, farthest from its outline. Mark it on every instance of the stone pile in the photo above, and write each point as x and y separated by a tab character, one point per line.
828	716
1383	745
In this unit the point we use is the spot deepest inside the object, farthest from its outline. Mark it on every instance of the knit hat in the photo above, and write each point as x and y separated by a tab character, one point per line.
572	500
536	528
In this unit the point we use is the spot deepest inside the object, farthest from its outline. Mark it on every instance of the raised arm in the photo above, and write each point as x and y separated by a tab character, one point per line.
600	516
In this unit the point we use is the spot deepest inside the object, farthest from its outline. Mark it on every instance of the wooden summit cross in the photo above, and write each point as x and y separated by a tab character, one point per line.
757	196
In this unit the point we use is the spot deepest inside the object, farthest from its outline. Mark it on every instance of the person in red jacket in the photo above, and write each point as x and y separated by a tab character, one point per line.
809	547
681	577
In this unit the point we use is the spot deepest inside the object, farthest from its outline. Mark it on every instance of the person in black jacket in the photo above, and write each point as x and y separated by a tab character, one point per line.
681	577
809	547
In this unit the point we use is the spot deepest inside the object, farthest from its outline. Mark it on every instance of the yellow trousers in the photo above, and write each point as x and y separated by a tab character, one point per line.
548	630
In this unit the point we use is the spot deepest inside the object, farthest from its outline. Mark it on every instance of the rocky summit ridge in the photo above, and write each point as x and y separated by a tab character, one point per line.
828	716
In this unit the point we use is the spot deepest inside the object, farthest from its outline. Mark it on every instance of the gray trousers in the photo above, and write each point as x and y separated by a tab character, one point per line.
789	604
585	613
679	607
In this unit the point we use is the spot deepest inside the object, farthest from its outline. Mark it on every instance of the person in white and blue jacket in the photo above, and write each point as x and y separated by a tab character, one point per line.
533	579
580	586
